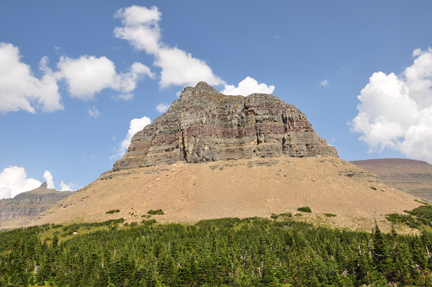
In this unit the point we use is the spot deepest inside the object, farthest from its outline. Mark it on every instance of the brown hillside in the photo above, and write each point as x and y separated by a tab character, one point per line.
412	176
242	188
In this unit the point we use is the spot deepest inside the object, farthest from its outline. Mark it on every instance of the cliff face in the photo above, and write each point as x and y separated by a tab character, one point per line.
205	125
23	208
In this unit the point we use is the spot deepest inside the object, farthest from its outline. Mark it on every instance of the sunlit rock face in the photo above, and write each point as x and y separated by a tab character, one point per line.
205	125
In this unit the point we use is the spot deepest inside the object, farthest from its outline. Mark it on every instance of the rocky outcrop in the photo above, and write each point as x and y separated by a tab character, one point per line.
205	125
20	210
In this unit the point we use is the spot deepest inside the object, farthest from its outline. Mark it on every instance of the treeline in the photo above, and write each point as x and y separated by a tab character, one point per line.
224	252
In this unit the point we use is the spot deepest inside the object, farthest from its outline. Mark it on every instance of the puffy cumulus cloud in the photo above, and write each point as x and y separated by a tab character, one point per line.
65	187
141	30
88	75
162	107
49	179
180	68
13	181
248	86
141	27
84	77
135	126
396	111
20	89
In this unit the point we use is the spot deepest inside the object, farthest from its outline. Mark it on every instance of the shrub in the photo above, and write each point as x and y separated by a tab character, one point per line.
112	211
374	188
156	212
422	202
274	216
148	222
330	214
304	209
422	212
298	214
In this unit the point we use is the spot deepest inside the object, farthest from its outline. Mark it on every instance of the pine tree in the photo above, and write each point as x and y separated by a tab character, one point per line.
379	251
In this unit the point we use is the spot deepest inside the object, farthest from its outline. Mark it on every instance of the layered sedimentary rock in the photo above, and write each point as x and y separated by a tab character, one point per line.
205	125
23	208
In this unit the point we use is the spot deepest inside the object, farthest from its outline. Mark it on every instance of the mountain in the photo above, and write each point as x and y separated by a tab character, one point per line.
23	208
412	176
205	125
213	156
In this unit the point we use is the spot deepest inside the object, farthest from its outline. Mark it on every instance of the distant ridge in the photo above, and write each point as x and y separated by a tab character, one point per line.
23	208
411	176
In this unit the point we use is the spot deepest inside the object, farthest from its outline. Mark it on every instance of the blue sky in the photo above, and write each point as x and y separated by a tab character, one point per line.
317	55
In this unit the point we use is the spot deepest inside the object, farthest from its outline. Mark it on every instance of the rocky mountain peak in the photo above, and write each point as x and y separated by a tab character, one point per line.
44	185
205	125
199	89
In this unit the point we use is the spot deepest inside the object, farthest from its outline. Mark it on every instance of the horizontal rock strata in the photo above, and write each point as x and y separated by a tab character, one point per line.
20	210
205	125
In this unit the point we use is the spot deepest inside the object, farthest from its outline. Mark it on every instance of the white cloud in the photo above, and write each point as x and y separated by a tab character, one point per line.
20	89
396	111
162	107
93	112
141	27
180	68
135	126
88	75
13	181
49	179
324	83
141	30
65	187
85	77
248	86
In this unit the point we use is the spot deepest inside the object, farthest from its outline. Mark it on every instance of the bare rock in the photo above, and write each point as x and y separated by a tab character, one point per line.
205	125
25	207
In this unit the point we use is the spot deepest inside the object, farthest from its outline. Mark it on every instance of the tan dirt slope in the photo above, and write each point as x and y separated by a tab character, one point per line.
242	188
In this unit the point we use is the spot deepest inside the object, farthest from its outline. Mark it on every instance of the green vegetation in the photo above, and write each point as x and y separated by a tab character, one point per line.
156	212
330	214
112	211
284	215
304	209
422	202
220	252
420	217
148	222
374	188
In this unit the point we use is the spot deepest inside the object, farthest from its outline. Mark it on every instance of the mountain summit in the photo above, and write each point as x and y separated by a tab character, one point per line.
205	125
253	156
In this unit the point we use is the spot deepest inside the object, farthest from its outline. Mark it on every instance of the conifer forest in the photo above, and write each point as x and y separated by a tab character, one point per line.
219	252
